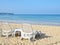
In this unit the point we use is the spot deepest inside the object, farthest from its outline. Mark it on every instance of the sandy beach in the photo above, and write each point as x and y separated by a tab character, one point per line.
49	30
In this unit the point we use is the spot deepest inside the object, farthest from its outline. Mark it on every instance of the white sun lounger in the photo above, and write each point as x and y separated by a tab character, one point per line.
27	31
6	33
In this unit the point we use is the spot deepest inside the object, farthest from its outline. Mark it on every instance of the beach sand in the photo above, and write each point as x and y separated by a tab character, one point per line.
52	31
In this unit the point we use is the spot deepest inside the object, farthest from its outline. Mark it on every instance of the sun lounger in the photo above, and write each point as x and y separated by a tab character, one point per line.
6	33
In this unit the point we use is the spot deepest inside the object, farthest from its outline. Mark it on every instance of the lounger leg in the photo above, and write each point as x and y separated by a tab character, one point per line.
7	36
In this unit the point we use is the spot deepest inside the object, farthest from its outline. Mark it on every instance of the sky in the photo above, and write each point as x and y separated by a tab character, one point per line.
30	6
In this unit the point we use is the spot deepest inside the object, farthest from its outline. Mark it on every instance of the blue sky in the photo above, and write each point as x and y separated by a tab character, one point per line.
30	6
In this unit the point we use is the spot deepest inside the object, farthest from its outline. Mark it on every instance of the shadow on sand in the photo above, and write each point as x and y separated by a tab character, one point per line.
41	36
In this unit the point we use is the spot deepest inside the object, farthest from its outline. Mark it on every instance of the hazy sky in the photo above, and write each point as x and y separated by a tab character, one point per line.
30	6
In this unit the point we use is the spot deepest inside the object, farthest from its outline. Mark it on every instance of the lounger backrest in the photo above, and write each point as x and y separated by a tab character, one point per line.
5	26
27	27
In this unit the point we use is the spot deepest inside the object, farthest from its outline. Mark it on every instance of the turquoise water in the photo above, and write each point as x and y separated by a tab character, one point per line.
32	18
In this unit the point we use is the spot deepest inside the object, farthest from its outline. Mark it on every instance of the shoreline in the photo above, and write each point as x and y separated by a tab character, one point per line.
30	22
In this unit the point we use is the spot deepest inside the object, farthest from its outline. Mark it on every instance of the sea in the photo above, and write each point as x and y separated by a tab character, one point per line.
45	19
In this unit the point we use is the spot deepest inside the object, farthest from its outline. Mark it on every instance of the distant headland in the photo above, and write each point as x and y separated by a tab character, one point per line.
6	13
